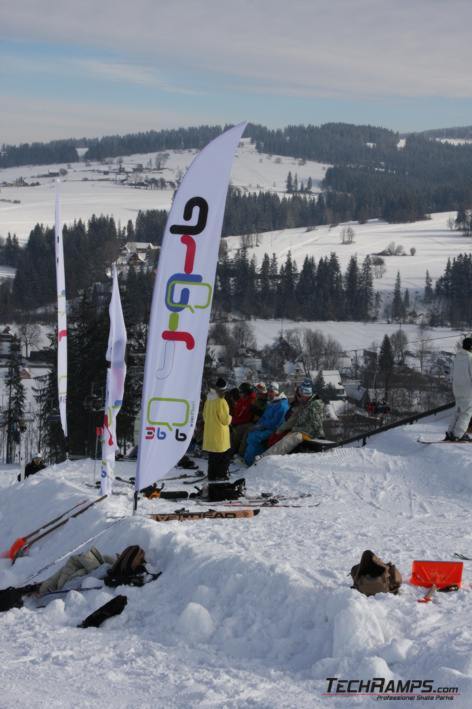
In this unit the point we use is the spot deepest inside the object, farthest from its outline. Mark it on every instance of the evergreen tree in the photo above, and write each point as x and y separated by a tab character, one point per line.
366	290
406	301
428	288
305	291
351	289
15	402
398	310
386	362
289	183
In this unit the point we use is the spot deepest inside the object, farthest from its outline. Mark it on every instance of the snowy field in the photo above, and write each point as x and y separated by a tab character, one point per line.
433	241
358	335
96	189
249	613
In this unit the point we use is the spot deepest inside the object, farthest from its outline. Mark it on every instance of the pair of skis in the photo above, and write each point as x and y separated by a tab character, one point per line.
184	515
21	545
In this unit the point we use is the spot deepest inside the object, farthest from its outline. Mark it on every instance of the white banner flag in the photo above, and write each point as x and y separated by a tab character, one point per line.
115	386
180	312
61	316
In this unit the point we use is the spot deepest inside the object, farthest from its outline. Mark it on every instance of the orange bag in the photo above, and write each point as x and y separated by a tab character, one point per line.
436	573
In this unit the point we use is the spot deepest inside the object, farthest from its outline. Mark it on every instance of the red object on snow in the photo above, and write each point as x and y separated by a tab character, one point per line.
436	573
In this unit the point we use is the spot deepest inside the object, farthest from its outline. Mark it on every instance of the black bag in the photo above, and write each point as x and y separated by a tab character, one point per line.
13	597
113	607
129	566
217	492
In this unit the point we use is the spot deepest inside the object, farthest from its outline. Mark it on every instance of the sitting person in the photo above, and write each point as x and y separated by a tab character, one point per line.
260	402
270	420
243	414
305	423
34	466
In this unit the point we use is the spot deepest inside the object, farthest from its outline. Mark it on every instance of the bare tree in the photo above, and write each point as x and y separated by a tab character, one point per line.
399	342
243	334
30	335
378	266
295	340
421	352
332	353
347	235
314	344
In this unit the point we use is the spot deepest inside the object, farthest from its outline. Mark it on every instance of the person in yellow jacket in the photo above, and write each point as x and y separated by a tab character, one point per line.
216	438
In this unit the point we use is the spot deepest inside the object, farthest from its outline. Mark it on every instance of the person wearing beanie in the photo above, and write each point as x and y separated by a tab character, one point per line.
216	438
34	466
243	415
305	423
462	388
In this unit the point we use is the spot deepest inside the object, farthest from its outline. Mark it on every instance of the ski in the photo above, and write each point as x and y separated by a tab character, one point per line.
195	480
462	557
187	515
22	545
65	591
266	504
442	440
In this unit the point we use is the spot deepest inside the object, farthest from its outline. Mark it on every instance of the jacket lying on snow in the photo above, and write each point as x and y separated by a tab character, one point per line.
78	565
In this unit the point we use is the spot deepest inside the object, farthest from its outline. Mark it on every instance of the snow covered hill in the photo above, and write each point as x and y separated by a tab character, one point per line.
249	613
99	188
433	241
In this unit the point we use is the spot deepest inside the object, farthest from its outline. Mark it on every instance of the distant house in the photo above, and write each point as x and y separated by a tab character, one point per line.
331	378
139	254
356	394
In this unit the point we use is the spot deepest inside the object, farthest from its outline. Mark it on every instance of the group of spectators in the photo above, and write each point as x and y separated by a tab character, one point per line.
250	421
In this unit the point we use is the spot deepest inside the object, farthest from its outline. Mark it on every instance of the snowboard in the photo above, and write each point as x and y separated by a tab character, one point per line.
186	515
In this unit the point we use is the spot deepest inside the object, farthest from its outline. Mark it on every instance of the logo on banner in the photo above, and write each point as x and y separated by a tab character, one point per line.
184	291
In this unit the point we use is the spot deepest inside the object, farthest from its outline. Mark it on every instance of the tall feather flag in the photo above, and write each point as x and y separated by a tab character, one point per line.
115	386
180	312
61	315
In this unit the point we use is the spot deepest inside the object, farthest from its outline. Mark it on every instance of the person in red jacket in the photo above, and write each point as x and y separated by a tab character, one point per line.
243	414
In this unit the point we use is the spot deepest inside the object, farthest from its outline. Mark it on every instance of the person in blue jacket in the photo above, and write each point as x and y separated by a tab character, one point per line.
270	420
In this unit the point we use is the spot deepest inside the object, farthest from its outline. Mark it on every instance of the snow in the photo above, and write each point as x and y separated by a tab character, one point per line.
358	335
433	241
87	189
249	613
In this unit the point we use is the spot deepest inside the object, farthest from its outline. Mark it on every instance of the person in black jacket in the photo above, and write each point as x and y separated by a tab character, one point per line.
34	466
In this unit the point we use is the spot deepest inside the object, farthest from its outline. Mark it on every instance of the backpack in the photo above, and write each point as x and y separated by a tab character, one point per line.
217	492
373	575
128	568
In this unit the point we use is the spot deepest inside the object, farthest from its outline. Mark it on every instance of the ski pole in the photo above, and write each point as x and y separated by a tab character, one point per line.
30	542
21	541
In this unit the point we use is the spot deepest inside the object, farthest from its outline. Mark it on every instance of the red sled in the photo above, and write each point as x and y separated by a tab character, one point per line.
441	574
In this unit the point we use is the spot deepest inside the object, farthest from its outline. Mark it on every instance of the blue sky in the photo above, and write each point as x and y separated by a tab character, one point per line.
97	67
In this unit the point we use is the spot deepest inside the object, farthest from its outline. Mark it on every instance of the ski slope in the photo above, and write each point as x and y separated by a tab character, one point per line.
249	613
